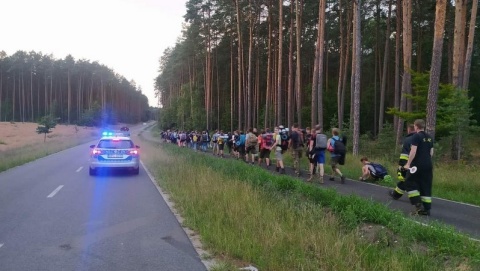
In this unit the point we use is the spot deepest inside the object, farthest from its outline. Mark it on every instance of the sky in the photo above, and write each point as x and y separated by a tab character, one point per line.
128	36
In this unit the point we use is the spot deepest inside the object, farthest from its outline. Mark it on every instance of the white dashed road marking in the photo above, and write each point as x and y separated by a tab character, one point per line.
55	192
80	168
1	245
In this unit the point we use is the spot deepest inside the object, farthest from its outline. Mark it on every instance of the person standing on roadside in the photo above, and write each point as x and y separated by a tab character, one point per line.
419	184
278	151
334	155
401	172
296	145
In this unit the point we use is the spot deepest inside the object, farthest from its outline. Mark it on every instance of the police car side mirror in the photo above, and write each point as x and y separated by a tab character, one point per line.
92	146
136	146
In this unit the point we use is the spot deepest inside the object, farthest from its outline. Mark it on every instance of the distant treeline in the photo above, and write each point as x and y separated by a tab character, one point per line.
33	85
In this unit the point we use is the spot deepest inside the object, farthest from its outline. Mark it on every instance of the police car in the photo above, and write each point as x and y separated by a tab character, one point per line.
114	151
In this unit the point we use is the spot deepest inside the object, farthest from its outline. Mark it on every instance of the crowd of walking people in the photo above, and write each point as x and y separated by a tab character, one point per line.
256	148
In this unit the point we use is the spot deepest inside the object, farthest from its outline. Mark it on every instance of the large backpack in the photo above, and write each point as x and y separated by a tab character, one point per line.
284	141
241	141
339	147
378	171
252	141
321	142
268	139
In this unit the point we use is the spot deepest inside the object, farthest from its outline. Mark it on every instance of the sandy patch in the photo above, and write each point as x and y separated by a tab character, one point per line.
18	134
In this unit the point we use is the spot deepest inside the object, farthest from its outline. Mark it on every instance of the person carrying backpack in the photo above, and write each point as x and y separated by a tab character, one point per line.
267	141
296	145
372	170
336	147
241	145
278	151
318	146
215	149
251	143
205	140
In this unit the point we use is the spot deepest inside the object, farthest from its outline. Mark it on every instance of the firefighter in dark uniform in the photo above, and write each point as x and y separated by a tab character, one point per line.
419	184
401	171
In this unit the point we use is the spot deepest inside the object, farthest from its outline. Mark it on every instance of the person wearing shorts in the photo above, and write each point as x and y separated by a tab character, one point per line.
278	151
335	158
319	154
264	148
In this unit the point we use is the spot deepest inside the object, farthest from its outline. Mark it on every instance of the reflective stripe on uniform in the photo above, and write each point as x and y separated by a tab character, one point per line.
413	193
398	190
426	199
403	156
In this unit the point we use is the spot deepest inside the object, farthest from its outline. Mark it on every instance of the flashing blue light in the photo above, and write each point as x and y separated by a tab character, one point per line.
107	133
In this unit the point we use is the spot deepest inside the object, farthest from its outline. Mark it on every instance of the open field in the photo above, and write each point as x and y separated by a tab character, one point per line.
16	135
20	143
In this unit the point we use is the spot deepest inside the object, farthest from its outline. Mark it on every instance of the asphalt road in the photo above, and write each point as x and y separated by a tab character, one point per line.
54	216
463	217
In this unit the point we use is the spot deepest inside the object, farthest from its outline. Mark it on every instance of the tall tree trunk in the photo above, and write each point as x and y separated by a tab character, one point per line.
398	49
356	91
69	96
435	66
381	111
342	62
345	66
459	48
290	82
321	54
298	81
269	66
240	68
471	34
31	97
232	84
249	72
407	60
459	42
279	101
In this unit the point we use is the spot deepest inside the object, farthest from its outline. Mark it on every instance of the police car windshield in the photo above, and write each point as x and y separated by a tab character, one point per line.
115	144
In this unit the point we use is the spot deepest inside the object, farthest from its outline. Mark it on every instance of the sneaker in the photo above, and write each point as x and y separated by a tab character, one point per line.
331	179
310	178
342	179
320	180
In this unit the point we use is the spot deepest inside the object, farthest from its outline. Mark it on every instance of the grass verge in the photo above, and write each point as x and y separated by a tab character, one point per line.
247	215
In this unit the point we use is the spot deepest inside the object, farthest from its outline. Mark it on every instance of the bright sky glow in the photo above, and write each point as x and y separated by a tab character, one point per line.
128	36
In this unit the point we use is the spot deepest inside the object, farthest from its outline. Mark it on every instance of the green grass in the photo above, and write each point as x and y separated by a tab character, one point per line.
248	215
